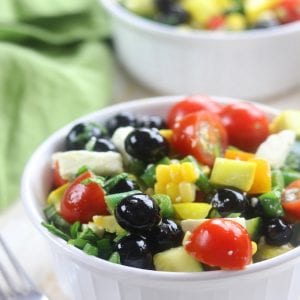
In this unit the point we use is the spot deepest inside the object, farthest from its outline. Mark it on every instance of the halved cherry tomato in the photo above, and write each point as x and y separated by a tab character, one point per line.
57	179
221	243
247	125
288	11
190	105
200	134
216	22
291	201
83	199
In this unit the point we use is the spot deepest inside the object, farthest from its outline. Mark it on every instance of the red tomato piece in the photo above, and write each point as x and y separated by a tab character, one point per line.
190	105
57	179
288	11
247	126
200	134
216	22
221	243
291	201
83	199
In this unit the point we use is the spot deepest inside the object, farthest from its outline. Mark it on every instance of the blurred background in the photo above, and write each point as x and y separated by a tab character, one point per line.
58	62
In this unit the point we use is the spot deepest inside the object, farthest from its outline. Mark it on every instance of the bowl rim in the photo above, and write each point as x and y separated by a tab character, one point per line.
119	270
141	23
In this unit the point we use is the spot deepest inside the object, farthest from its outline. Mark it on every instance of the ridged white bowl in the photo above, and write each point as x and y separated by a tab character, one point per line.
85	277
252	64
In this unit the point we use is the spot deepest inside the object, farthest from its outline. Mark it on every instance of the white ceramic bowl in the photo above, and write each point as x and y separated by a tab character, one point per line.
252	64
85	277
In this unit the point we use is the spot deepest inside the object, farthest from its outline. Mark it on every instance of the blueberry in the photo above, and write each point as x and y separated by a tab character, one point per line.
166	235
137	213
81	133
152	122
228	201
135	252
277	232
101	145
124	185
122	119
164	5
176	15
146	145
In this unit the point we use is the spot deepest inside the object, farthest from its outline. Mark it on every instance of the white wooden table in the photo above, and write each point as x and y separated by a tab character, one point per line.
27	243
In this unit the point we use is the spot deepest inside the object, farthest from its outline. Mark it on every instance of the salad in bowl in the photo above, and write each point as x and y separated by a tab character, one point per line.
206	186
191	224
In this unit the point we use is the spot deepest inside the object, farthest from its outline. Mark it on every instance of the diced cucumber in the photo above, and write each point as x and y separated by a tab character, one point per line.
115	258
265	251
271	203
176	260
105	249
254	227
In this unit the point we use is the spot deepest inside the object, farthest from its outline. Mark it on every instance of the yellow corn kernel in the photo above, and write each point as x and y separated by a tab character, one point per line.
162	173
254	247
172	190
187	191
166	133
160	188
189	172
175	173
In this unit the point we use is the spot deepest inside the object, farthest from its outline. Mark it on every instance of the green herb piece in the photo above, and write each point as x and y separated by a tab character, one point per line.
114	199
82	170
53	217
136	167
89	235
290	176
78	243
90	249
98	179
115	258
165	204
110	183
53	229
120	236
74	229
105	249
271	203
277	179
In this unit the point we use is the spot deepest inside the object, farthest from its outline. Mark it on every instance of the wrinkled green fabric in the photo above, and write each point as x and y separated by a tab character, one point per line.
54	67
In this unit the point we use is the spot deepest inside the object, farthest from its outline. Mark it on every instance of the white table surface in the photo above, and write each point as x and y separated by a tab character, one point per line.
27	243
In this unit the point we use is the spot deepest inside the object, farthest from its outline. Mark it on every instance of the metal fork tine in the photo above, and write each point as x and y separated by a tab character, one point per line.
18	268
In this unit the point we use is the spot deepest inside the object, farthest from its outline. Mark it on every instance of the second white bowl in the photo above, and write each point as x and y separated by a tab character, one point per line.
252	64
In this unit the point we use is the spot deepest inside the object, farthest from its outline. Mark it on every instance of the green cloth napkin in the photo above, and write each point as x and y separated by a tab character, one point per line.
54	67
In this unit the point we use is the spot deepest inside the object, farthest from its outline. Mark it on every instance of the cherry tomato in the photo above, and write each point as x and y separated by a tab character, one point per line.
247	125
200	134
288	11
221	243
83	199
216	22
190	105
291	201
57	179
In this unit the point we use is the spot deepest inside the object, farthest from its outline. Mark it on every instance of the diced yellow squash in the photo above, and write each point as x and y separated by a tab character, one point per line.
109	223
234	173
289	119
191	210
187	191
56	195
263	179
